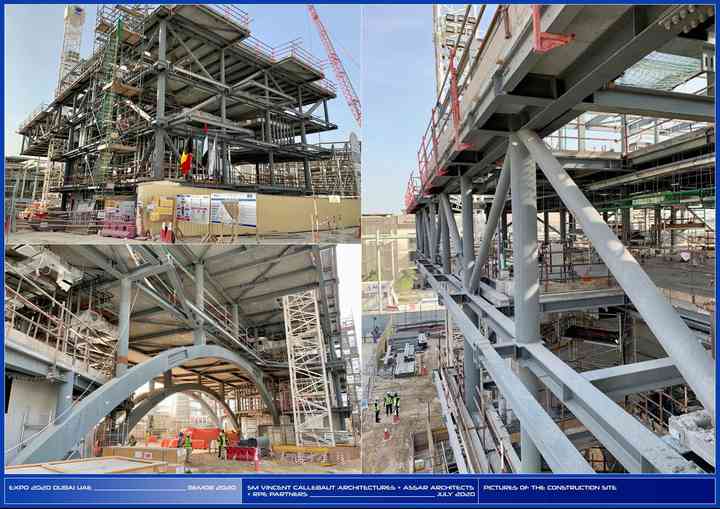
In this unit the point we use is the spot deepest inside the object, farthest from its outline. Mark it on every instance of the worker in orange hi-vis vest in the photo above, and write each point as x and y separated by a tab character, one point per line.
186	159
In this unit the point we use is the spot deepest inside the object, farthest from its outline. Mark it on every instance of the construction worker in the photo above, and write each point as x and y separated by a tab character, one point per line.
188	448
222	445
377	410
180	440
388	404
396	403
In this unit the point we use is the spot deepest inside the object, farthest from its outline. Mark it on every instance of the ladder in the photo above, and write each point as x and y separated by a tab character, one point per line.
105	116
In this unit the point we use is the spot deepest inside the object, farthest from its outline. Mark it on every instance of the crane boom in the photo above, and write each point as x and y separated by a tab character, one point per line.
347	89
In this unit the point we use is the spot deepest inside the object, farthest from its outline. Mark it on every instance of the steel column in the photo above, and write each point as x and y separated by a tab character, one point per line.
121	359
444	242
199	331
498	206
693	362
450	222
64	397
159	156
434	233
526	286
468	229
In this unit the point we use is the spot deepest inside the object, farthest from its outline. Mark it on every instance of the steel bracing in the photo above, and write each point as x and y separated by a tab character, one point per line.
312	412
494	148
218	338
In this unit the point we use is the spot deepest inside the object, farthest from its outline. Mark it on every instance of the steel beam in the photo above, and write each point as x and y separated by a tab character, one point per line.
558	452
497	208
676	338
638	449
619	381
554	446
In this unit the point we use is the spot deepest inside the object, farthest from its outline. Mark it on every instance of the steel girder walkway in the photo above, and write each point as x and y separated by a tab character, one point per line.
55	441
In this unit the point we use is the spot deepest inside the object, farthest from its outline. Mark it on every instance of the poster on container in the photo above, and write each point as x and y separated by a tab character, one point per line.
234	209
182	208
200	209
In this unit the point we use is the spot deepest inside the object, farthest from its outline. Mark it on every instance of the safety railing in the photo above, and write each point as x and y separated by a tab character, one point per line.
31	117
275	54
294	49
86	346
231	12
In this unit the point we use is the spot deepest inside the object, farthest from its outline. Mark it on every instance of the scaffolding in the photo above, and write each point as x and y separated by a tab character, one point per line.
164	77
312	412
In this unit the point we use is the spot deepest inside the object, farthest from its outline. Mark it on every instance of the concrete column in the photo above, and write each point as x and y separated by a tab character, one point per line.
199	332
468	229
64	397
526	286
167	378
123	345
159	155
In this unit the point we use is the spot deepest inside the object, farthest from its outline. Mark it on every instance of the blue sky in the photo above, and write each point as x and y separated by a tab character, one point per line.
33	39
399	88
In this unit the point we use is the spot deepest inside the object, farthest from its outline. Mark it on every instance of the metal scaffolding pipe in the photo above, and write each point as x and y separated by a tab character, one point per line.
498	205
691	359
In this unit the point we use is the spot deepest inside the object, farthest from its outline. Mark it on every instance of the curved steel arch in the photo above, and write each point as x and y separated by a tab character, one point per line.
152	399
57	439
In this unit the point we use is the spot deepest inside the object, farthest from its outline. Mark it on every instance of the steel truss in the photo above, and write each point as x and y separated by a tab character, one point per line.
455	275
312	412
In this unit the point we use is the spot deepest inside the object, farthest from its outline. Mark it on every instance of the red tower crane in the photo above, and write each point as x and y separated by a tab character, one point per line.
340	75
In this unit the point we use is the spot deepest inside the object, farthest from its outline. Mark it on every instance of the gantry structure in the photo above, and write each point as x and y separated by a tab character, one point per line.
164	76
589	113
103	321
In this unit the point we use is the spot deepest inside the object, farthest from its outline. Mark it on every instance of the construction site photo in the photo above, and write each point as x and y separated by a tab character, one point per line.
182	123
181	359
542	298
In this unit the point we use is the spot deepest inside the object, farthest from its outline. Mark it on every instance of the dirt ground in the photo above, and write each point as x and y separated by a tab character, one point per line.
345	236
202	462
395	455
